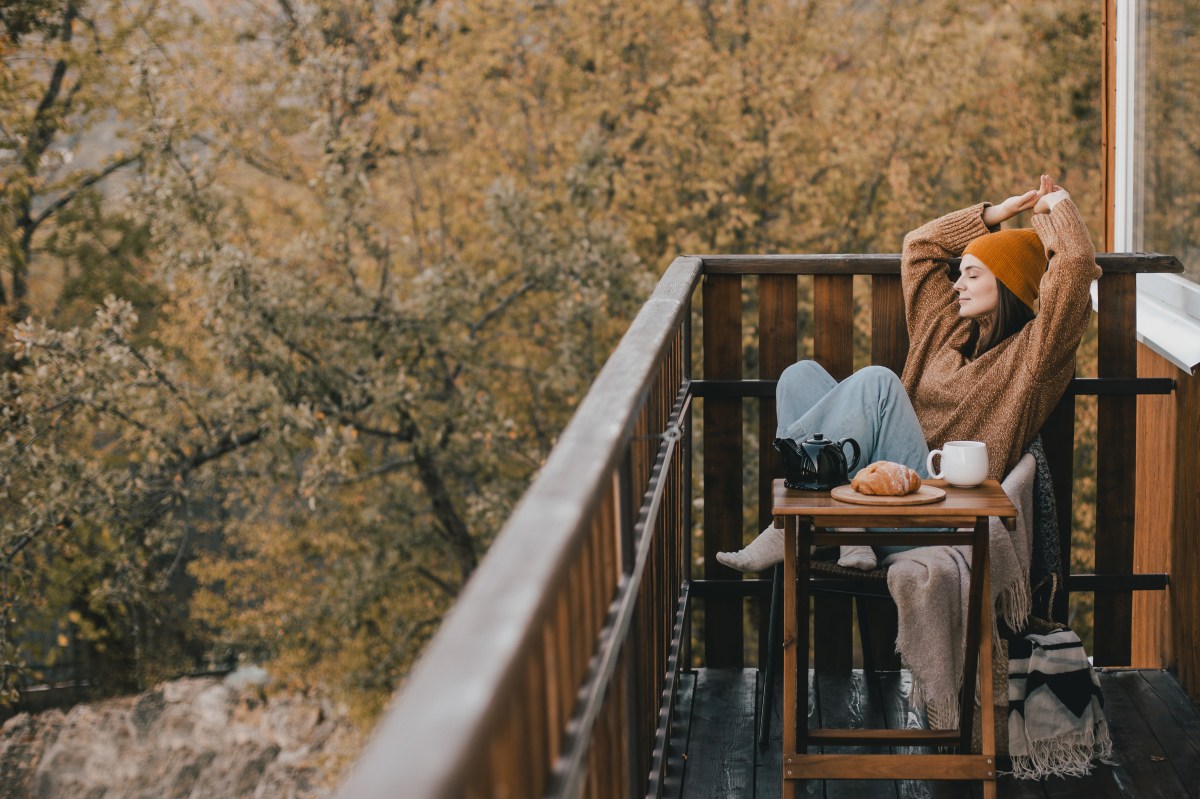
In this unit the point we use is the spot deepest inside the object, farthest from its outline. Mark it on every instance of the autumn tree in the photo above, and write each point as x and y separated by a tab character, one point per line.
336	408
66	115
383	247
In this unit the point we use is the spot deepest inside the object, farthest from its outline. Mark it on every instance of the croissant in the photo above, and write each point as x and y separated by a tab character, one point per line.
885	478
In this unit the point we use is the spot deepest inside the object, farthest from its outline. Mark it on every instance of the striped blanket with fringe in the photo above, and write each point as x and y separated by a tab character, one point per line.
1056	723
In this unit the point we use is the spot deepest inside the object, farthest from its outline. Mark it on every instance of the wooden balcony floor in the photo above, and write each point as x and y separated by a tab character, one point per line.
1154	724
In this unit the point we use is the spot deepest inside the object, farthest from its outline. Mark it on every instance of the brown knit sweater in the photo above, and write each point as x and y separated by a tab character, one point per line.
1004	396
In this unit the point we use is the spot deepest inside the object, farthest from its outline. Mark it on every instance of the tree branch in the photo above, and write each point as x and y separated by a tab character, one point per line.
226	445
387	468
502	305
164	380
73	192
250	159
44	126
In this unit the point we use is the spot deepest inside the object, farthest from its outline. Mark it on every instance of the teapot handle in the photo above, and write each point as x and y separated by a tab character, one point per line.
857	452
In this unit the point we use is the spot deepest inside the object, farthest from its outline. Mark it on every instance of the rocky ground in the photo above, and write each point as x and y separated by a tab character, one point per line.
187	739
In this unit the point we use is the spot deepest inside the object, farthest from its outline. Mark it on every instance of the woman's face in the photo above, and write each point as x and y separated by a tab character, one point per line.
976	287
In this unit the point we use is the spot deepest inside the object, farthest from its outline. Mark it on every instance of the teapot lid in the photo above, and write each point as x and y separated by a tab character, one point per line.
819	440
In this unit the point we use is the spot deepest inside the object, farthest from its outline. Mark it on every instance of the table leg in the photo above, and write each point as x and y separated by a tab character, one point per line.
790	681
987	710
979	565
798	532
804	531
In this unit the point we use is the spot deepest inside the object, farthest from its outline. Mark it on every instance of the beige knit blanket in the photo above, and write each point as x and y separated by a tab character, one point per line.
930	586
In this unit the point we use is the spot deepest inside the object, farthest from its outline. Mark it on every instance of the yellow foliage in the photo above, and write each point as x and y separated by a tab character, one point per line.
392	245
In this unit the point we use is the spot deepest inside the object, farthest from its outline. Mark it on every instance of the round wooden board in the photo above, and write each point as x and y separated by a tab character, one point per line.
922	496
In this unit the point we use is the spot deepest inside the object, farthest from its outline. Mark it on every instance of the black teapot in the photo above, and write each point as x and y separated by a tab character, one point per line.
816	464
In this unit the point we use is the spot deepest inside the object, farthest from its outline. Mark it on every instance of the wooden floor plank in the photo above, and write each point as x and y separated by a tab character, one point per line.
720	759
1010	788
844	704
1105	782
1182	708
768	766
680	728
770	772
1142	770
1150	717
894	687
1181	751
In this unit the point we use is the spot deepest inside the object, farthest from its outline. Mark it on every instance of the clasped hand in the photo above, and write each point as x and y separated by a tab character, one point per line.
1042	200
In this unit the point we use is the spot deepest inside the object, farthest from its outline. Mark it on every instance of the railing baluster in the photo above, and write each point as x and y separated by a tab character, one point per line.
536	749
1058	439
777	350
889	347
833	348
553	710
889	332
722	465
833	329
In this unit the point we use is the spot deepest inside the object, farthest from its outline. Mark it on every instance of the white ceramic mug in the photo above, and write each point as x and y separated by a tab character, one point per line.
964	463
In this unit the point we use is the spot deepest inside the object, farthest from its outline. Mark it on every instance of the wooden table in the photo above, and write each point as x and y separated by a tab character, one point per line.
804	517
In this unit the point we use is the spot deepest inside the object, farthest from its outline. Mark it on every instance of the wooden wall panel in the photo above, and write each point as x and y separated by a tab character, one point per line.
1167	624
1154	513
1185	537
1168	494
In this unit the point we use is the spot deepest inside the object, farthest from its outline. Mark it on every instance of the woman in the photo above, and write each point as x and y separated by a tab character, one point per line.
983	364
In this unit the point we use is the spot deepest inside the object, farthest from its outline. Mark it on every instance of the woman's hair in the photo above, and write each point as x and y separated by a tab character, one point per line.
1011	315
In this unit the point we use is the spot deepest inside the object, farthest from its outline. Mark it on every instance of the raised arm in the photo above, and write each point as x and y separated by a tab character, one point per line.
1065	299
930	302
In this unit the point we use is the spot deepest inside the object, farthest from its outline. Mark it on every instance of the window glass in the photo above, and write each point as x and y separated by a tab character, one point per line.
1167	212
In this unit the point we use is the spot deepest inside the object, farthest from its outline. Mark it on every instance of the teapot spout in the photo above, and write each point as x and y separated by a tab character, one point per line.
798	470
786	445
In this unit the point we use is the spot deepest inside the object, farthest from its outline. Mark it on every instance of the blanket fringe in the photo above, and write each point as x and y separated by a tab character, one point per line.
1015	605
1067	756
941	711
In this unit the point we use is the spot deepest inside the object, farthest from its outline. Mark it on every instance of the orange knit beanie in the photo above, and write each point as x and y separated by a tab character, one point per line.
1015	257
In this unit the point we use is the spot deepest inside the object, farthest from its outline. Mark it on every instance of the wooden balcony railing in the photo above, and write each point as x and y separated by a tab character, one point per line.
548	675
555	673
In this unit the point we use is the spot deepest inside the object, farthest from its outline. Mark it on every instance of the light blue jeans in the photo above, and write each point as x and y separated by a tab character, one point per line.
870	406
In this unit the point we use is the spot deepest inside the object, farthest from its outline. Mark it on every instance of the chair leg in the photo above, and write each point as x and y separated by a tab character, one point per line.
865	609
774	643
864	637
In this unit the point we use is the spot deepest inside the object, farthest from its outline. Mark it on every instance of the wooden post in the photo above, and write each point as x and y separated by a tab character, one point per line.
1116	460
